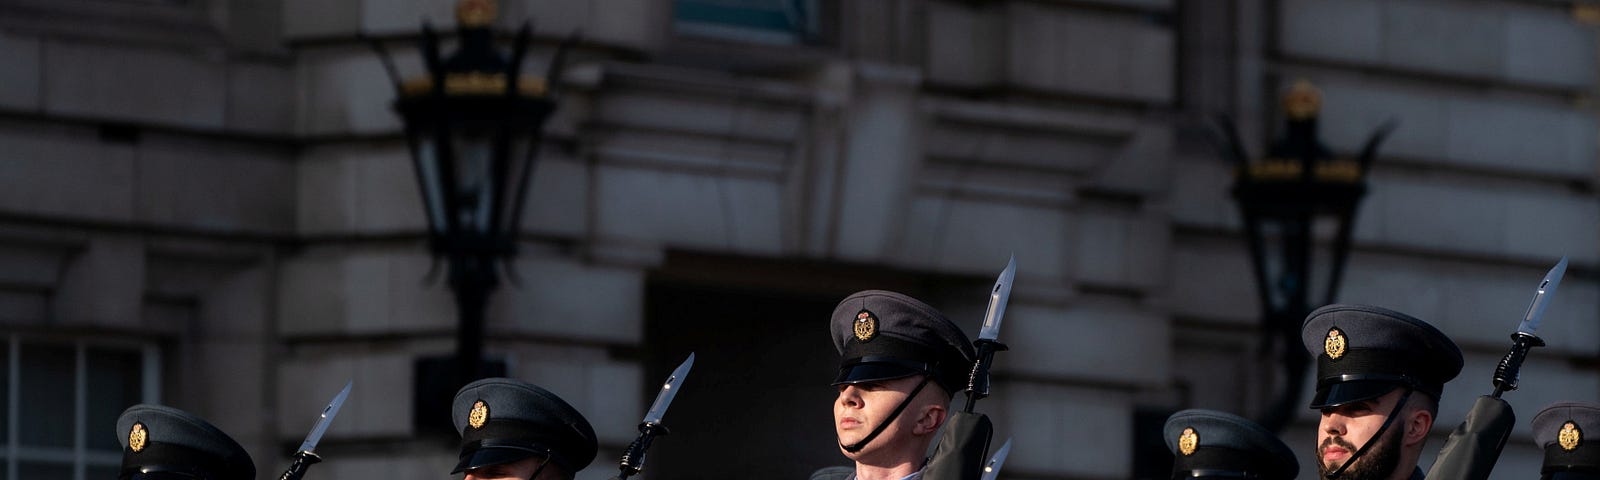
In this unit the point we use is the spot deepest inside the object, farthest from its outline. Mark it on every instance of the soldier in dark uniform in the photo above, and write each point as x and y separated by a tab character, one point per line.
511	429
902	362
1379	377
161	443
1562	430
1212	444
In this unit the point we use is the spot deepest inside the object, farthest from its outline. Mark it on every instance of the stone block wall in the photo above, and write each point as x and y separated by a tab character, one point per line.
227	178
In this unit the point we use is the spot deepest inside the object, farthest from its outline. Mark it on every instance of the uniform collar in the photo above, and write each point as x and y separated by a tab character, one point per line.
917	475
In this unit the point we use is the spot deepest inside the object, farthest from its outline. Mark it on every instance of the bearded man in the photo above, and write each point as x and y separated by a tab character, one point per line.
1379	377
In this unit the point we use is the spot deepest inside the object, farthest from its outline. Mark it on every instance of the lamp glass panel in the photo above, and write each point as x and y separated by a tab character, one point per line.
475	188
432	184
1274	249
520	163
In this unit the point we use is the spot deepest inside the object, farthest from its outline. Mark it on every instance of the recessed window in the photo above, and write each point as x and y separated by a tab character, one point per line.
773	22
61	401
180	3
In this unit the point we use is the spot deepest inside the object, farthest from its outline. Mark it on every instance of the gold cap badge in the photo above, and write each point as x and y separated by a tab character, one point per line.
137	437
1335	343
1188	441
479	414
1570	436
866	326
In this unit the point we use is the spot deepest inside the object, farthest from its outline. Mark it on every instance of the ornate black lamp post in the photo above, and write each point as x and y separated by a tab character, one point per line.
473	123
1298	193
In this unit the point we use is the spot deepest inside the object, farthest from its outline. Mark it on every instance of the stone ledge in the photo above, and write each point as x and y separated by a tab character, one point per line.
338	292
557	300
1128	346
1527	44
1458	129
1040	418
20	81
1517	221
1088	53
380	398
967	235
1117	125
682	209
717	117
134	84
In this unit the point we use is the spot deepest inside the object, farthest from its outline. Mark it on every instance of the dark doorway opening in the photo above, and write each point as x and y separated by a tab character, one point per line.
758	403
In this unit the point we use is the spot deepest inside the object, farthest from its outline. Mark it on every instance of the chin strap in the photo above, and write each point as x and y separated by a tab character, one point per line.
856	447
1376	437
542	464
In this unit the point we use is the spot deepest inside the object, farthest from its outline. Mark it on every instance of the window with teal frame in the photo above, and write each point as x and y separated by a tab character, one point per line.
773	22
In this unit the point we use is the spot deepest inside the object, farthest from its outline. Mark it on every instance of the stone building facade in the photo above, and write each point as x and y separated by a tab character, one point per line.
209	204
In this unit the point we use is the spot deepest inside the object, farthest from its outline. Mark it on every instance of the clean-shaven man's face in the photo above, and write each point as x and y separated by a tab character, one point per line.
862	406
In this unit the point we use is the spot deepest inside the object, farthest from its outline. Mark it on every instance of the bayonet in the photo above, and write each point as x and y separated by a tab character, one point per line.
669	390
992	469
1541	298
307	455
326	419
633	459
998	297
1509	371
987	343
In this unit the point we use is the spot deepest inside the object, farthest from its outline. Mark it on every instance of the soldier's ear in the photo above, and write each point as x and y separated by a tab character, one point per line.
1419	421
933	417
